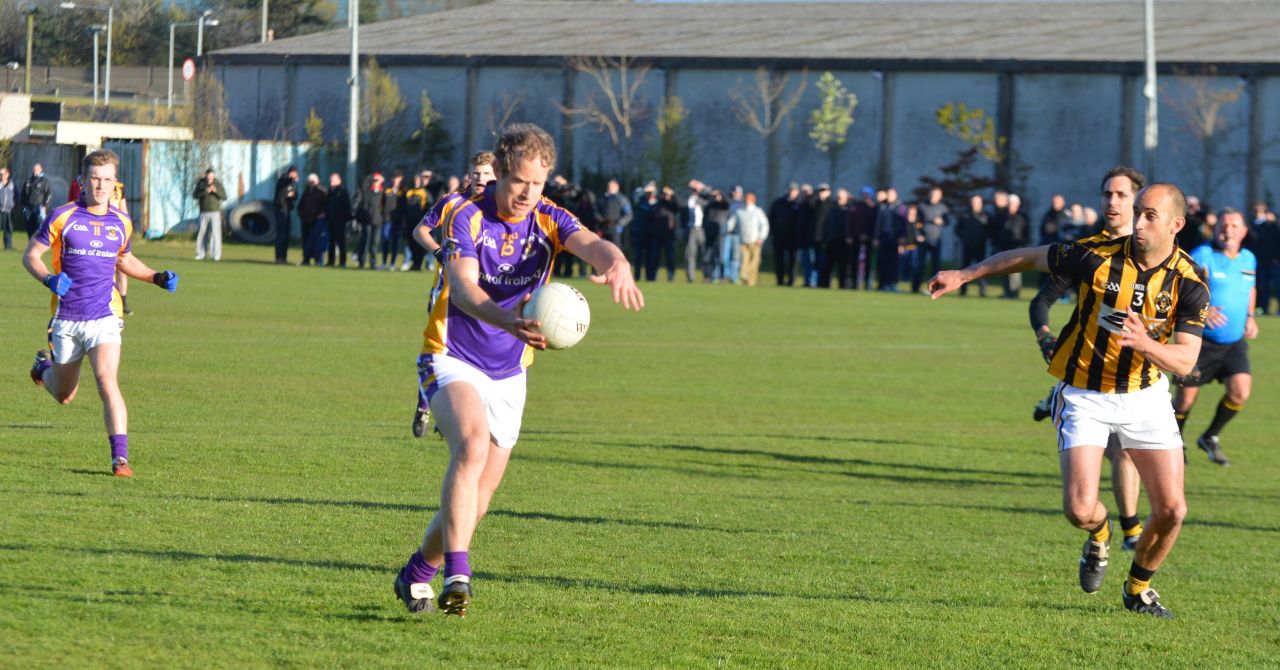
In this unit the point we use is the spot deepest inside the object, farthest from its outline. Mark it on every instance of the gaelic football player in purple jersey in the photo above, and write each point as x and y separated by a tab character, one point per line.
89	240
498	247
479	175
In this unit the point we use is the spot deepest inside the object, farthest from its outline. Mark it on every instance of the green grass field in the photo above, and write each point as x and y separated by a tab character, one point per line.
732	478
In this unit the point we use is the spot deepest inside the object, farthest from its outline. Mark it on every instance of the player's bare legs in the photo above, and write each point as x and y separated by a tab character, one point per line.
1127	486
105	359
460	413
1081	467
495	467
62	380
1162	475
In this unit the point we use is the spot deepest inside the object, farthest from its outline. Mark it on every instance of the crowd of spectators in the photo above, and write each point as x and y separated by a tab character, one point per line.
869	239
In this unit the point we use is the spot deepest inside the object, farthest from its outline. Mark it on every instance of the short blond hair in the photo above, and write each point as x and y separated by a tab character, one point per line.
98	158
482	158
523	141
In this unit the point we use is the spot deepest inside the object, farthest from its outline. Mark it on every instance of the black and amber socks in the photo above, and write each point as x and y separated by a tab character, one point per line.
1139	579
1102	533
1227	411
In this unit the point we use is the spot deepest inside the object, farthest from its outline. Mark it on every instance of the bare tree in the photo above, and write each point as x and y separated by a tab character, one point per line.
618	81
504	111
1199	107
764	107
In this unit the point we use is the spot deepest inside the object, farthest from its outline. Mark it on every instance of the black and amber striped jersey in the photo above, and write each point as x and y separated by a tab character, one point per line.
1170	297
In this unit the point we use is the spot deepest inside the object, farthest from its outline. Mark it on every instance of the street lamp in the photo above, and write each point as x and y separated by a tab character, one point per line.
110	19
201	22
171	29
96	30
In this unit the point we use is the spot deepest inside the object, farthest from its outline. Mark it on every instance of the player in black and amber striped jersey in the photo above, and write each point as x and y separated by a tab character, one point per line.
1119	189
1135	293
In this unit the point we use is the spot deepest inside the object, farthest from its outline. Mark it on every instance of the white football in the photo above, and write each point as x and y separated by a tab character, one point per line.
563	312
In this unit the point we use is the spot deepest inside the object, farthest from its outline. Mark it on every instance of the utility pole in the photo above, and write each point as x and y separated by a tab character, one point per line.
264	21
31	26
1151	136
111	12
353	127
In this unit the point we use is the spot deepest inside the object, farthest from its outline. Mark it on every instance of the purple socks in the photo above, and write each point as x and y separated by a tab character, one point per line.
417	570
455	563
119	446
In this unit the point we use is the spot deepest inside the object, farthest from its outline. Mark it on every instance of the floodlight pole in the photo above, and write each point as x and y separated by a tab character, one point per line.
95	66
200	34
169	104
1151	136
31	24
353	125
111	13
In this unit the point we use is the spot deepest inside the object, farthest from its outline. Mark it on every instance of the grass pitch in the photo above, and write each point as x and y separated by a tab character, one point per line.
732	478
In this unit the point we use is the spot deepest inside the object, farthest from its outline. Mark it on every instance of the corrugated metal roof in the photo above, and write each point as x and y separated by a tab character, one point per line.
1062	31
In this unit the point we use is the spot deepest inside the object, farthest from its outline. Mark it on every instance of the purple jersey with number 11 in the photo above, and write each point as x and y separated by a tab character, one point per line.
85	246
515	257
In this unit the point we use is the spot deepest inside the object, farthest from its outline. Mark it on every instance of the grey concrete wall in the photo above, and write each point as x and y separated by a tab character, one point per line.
1066	129
1179	157
858	159
1269	135
920	145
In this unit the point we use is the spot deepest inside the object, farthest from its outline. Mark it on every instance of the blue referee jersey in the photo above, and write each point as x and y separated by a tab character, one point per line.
1231	283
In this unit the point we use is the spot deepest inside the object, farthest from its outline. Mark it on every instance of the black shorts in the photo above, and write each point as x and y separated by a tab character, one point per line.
1217	362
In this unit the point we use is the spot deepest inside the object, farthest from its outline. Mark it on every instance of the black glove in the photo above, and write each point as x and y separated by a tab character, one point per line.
1048	342
439	254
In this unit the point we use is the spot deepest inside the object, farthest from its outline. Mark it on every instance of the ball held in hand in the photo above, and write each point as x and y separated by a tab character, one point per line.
563	312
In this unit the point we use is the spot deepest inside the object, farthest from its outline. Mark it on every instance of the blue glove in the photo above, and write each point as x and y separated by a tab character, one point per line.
166	280
59	283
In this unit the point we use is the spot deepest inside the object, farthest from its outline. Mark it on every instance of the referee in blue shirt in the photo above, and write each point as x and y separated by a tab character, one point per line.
1231	273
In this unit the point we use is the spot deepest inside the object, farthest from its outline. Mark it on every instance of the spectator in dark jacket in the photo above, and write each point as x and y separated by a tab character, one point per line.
784	215
337	214
810	238
933	219
1055	222
862	223
209	195
35	199
715	214
286	196
974	231
1013	234
642	224
890	238
664	233
834	237
311	208
370	215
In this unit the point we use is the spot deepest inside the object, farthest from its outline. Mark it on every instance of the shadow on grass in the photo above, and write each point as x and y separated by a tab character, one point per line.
1033	479
29	426
91	473
678	590
1055	512
432	509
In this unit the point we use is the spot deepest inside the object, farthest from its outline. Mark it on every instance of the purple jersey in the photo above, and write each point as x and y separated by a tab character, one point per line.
514	258
85	246
442	210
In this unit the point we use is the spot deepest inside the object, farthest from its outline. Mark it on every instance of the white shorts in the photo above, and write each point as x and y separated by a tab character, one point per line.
71	340
1142	419
503	398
